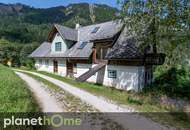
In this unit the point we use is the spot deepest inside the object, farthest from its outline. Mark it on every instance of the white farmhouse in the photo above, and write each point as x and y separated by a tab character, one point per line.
103	53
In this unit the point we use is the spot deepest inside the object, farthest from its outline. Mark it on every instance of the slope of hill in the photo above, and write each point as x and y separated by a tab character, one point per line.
24	24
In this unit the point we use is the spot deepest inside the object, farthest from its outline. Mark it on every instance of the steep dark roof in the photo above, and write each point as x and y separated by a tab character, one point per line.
82	34
76	52
106	30
44	50
126	47
67	33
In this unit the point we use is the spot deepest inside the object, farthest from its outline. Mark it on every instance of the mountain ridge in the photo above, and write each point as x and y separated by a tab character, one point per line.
25	24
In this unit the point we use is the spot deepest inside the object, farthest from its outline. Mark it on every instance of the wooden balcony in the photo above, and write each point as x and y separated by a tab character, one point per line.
98	61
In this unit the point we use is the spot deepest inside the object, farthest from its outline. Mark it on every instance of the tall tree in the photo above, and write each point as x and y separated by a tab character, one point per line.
162	23
92	13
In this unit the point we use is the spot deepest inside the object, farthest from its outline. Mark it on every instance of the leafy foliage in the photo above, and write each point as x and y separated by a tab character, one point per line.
17	54
25	52
173	82
10	53
165	24
162	23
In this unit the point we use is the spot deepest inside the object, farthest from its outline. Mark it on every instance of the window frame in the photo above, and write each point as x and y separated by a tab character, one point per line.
112	74
95	30
58	48
40	61
46	62
82	45
75	68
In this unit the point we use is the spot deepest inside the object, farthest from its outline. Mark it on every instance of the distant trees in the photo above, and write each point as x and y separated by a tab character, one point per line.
25	52
17	54
10	53
23	32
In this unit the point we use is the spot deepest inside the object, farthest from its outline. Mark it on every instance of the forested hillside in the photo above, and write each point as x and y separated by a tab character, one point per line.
23	28
24	24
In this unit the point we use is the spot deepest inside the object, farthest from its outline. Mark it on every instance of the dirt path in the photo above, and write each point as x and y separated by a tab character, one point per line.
45	100
129	121
99	103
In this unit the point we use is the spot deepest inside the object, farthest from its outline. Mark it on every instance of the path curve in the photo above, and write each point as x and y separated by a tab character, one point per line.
98	102
46	102
130	121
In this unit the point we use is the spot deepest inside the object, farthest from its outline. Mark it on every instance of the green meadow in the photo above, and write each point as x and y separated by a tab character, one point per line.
14	93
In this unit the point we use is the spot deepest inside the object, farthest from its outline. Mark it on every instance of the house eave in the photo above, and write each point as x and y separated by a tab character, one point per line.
85	58
148	59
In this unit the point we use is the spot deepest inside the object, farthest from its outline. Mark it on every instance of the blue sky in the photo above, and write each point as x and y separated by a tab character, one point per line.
53	3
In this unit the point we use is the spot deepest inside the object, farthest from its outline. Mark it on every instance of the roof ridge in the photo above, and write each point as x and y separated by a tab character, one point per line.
64	26
55	24
101	23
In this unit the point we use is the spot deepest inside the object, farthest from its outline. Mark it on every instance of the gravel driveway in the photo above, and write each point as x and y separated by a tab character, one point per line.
99	103
130	121
45	100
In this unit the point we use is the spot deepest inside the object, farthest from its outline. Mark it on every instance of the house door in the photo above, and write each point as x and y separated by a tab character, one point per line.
55	66
69	69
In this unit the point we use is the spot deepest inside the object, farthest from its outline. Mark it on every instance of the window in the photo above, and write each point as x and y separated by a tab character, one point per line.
58	46
95	29
112	74
40	61
75	68
47	62
82	45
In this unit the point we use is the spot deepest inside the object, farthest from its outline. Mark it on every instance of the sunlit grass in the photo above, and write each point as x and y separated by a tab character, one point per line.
14	93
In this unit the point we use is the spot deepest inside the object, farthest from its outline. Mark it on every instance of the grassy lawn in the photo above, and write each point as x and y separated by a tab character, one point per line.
14	94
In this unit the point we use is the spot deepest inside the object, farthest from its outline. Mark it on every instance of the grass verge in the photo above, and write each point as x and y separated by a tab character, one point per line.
14	94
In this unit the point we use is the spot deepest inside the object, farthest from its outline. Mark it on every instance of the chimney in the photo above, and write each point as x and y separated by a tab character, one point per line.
77	26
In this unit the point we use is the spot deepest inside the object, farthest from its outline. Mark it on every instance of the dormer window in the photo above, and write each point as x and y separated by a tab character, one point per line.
82	45
95	29
58	46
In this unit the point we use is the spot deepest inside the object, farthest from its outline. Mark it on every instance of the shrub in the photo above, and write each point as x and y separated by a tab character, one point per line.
174	82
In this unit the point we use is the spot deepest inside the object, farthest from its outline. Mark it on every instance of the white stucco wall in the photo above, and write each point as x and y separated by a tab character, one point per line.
49	68
65	44
43	66
128	77
62	67
81	69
